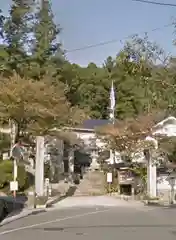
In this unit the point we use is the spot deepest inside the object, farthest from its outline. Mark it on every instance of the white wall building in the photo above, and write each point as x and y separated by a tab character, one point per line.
87	133
167	127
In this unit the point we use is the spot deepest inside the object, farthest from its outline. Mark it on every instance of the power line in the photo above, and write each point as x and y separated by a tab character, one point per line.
156	3
116	40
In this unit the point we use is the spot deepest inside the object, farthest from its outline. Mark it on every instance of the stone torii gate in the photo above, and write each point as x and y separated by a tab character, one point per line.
167	128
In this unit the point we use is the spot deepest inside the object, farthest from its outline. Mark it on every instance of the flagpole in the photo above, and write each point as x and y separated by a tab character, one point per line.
112	112
112	103
113	119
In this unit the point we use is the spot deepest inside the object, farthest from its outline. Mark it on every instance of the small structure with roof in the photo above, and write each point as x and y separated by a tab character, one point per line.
87	133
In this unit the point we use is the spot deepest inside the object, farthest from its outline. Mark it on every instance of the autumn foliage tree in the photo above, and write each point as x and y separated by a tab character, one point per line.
129	135
35	106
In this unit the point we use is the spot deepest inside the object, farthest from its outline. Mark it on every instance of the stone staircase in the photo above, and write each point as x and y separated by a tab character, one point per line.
92	184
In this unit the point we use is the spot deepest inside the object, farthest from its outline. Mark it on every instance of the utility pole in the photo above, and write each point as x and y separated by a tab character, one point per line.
13	128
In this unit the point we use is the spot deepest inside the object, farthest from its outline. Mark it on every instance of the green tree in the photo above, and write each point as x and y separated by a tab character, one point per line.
47	54
109	64
140	172
16	28
136	88
153	71
2	18
4	142
139	85
90	88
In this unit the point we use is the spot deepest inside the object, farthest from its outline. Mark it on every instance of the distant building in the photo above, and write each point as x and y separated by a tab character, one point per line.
94	145
87	132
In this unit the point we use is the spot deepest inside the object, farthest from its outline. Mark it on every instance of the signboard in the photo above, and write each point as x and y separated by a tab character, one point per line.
5	156
109	177
125	177
13	186
17	151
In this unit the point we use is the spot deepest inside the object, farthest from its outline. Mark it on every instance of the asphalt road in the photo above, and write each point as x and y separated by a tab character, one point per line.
101	223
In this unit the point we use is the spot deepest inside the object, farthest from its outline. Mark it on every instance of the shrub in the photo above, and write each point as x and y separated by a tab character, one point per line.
6	171
6	175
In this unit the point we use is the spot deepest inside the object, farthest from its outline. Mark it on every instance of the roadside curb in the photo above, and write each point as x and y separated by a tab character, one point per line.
21	215
158	204
54	200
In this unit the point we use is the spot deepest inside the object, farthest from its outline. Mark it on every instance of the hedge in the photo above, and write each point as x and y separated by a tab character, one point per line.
6	175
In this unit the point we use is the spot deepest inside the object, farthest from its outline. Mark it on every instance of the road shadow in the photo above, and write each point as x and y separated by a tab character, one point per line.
10	206
70	192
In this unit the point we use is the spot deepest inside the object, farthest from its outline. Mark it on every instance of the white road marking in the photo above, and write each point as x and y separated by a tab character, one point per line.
53	221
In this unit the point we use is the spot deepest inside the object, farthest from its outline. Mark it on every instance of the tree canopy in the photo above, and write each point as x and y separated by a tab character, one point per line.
40	87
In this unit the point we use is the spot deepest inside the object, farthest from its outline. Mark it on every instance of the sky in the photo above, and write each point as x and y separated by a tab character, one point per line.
89	22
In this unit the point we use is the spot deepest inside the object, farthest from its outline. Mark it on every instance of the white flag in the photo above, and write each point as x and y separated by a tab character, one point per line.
112	97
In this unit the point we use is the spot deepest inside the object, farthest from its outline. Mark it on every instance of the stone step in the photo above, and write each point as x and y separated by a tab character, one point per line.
91	184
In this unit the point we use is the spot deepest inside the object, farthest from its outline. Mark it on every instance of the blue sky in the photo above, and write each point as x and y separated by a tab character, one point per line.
86	22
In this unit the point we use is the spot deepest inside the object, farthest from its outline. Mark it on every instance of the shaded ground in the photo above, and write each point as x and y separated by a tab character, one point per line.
10	206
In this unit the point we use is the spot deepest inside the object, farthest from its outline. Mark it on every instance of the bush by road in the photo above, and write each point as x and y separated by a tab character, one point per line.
6	175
